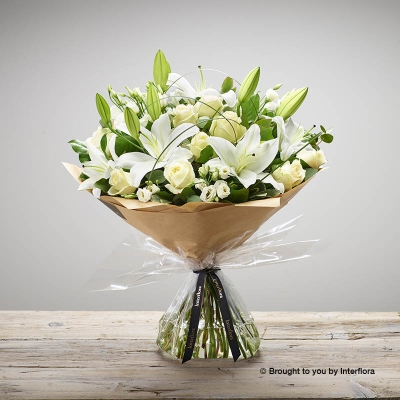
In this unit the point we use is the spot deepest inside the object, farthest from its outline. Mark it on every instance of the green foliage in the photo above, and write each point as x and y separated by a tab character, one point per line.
81	149
238	195
182	197
205	155
227	85
103	185
250	108
265	129
125	143
327	138
194	198
156	175
310	172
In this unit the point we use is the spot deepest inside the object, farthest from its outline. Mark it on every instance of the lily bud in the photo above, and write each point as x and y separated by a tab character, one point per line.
291	102
161	70
249	85
153	102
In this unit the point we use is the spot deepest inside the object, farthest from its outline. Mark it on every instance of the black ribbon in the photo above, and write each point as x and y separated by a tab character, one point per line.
195	315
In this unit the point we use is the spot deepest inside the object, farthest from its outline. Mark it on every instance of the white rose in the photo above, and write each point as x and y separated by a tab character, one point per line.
223	189
198	143
120	183
184	113
208	194
144	195
208	106
179	174
314	158
271	95
224	172
228	127
97	136
290	175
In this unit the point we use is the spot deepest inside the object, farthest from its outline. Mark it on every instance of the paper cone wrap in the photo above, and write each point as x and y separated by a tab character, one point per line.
196	229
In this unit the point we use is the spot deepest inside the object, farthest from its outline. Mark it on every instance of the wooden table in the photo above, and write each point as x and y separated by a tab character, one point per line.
113	355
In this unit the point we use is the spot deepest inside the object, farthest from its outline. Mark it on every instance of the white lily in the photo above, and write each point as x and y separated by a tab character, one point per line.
290	136
161	144
189	93
97	168
248	159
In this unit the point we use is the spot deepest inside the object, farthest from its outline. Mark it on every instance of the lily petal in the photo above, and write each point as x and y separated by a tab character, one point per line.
249	142
139	170
128	160
230	98
161	130
225	150
181	83
277	185
111	147
247	177
180	153
264	155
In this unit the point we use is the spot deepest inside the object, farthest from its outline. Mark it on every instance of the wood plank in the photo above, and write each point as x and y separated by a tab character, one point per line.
113	355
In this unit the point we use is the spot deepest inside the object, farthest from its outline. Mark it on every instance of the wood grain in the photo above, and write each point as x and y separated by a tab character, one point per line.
113	355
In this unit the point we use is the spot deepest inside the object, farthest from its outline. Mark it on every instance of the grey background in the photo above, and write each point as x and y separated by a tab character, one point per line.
55	55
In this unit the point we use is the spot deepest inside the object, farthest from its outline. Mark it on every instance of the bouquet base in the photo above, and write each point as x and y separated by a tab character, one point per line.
211	340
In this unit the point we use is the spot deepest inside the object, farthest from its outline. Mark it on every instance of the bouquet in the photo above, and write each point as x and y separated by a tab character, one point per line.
198	171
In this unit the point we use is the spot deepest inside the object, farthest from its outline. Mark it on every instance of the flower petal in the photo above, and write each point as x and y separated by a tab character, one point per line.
277	185
111	147
161	130
181	82
225	150
128	160
230	98
180	153
139	170
247	177
264	155
250	141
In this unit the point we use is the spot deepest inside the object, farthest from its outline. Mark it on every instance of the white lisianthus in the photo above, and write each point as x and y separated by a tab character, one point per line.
228	126
153	188
115	112
208	194
184	113
204	170
224	172
215	175
314	158
120	183
163	99
200	184
290	175
198	143
144	195
145	120
271	95
223	189
272	106
179	174
97	136
208	106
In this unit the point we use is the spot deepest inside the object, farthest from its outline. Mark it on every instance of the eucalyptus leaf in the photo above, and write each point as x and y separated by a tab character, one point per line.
203	121
186	193
205	155
156	175
103	108
309	173
194	198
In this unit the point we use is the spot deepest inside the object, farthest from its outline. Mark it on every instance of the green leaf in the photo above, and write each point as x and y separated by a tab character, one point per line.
327	138
161	70
103	108
153	104
238	195
203	121
278	86
194	198
310	172
250	107
185	194
322	129
132	122
304	164
103	185
84	158
265	129
165	195
78	146
205	155
103	144
227	85
156	175
245	121
125	143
